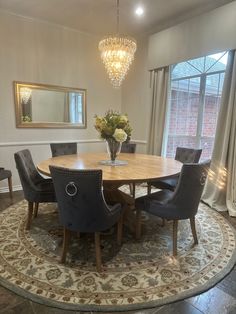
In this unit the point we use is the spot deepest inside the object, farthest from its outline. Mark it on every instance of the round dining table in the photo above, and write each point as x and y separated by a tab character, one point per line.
136	168
139	167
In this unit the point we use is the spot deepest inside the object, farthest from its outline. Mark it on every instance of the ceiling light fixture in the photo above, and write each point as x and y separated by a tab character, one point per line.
25	94
139	11
117	53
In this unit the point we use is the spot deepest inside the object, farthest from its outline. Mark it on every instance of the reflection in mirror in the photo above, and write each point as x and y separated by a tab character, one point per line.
49	106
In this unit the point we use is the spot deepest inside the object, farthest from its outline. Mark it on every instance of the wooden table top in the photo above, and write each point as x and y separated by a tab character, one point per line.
140	167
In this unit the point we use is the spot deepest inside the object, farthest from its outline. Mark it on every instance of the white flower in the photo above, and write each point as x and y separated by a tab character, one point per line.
120	135
123	120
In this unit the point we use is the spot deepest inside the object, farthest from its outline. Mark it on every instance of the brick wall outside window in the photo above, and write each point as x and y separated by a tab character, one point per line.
183	123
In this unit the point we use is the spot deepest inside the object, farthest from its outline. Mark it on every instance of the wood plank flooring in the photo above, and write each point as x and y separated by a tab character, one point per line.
221	299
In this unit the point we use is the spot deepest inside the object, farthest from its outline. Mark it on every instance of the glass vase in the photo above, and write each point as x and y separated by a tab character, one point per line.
113	149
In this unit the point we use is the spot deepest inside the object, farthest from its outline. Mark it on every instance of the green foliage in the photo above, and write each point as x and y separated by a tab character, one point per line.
26	119
113	125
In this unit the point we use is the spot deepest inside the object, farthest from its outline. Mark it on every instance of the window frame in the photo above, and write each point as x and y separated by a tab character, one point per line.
201	106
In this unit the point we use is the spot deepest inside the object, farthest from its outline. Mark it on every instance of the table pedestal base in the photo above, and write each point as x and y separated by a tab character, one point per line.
113	195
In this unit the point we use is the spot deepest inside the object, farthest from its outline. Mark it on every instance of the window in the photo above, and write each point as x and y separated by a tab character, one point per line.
76	107
196	88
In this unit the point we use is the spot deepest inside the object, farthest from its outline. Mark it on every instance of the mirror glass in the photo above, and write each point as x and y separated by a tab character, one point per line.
49	106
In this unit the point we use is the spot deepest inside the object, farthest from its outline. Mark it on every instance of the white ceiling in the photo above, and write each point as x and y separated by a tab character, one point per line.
99	16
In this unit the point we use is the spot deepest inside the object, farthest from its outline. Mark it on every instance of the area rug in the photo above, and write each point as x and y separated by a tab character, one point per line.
139	274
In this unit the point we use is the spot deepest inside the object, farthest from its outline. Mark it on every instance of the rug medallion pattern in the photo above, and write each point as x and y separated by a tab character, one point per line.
138	274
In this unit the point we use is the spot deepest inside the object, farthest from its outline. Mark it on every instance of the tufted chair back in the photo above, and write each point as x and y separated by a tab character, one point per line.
80	200
35	187
128	148
184	201
28	174
187	155
184	155
59	149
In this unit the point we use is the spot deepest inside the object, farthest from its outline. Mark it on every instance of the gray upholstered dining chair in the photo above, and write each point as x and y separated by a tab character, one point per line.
184	155
36	189
59	149
129	148
180	204
82	207
6	174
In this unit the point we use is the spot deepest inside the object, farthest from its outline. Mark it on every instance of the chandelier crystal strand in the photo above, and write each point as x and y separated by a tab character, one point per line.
25	94
117	53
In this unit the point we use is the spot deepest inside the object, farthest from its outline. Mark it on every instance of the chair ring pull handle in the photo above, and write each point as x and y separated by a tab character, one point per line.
203	179
71	189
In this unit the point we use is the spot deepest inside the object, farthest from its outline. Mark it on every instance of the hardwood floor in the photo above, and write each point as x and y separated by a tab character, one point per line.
221	299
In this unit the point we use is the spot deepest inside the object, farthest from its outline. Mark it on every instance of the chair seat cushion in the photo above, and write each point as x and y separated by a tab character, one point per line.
161	198
44	191
168	183
5	174
45	185
157	204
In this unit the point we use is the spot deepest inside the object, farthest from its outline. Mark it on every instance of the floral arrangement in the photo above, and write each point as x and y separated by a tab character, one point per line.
113	126
26	119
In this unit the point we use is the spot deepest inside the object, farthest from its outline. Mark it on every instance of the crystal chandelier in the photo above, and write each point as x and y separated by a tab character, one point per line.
117	53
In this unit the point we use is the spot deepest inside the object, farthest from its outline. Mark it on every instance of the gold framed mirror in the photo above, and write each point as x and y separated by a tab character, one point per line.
49	106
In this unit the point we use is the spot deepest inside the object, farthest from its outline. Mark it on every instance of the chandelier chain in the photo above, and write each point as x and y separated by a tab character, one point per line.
117	16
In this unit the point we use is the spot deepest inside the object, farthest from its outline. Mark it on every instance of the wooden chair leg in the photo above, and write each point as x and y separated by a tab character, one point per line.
30	213
36	208
193	228
98	252
133	190
66	238
138	224
175	232
149	188
120	229
10	186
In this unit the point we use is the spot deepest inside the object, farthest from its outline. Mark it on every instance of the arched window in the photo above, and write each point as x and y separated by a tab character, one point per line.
196	88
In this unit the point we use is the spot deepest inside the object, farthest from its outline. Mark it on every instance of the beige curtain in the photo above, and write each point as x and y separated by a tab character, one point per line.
159	97
220	191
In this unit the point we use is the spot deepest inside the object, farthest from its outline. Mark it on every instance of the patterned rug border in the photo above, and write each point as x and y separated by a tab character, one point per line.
119	308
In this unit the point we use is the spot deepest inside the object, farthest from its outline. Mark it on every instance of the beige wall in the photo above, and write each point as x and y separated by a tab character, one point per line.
34	51
135	95
209	33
